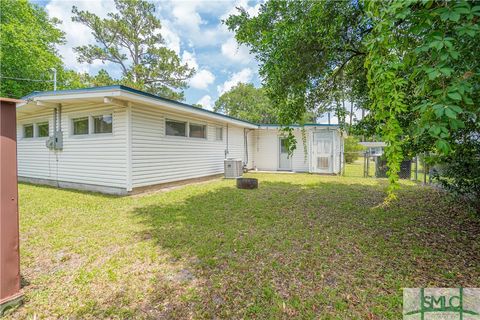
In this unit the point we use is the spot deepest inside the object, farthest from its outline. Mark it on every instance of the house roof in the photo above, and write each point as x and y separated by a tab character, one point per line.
131	94
373	144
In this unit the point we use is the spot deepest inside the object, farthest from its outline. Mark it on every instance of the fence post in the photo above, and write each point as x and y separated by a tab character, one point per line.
10	294
416	168
424	169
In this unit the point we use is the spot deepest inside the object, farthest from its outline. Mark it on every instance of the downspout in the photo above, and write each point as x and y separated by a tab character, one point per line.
56	121
245	141
226	150
59	118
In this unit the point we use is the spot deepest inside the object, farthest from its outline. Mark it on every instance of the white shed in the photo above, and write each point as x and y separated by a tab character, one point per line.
115	139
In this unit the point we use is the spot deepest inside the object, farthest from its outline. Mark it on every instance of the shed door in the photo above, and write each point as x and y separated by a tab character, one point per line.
285	162
322	154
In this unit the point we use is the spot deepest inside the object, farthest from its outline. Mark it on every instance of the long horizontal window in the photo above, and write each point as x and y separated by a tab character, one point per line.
197	131
175	128
92	124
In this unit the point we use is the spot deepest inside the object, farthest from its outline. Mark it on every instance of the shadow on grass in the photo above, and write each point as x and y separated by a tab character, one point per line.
292	250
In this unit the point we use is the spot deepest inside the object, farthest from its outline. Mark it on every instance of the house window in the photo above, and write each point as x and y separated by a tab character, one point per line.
43	129
102	124
198	131
175	128
28	131
219	133
80	126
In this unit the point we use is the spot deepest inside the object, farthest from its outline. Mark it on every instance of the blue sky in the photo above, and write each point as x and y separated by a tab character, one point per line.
193	29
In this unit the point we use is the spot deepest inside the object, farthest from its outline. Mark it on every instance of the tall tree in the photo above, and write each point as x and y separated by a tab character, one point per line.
246	102
27	48
311	54
131	39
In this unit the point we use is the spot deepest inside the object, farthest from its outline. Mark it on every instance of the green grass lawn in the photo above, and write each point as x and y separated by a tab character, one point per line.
301	246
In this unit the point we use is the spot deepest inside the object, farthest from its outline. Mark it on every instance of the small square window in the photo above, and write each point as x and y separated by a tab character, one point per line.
28	131
175	128
43	129
219	133
198	131
80	126
102	124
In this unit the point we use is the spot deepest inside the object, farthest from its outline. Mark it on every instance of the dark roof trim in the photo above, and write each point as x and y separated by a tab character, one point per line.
131	90
150	95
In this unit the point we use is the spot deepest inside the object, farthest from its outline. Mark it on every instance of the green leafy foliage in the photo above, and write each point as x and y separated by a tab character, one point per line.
131	39
459	170
311	55
352	149
412	64
422	68
246	102
27	48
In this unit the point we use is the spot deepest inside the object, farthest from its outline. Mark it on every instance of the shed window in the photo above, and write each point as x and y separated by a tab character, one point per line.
175	128
102	124
198	131
43	129
80	126
218	133
28	131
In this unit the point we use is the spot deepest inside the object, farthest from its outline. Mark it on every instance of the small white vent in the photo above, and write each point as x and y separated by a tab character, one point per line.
233	168
322	162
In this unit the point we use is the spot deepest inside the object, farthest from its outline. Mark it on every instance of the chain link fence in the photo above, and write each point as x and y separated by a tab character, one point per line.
364	165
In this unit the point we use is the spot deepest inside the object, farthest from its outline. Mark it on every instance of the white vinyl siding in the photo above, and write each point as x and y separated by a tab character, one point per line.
159	158
95	159
32	155
266	151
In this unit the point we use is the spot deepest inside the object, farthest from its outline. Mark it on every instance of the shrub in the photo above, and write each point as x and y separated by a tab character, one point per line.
352	149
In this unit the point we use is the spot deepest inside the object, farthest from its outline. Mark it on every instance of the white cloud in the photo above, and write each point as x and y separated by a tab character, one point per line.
235	52
172	40
77	34
252	11
206	101
244	76
186	15
190	59
202	79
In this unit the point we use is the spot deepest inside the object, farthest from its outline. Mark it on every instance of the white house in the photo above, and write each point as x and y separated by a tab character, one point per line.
117	139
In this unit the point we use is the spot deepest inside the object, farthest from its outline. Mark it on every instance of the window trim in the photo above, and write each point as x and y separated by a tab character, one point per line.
177	121
187	129
33	130
221	130
72	121
90	115
93	123
37	129
198	124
